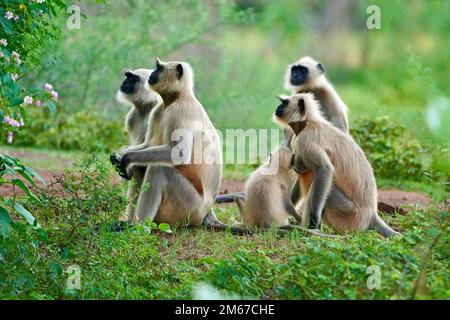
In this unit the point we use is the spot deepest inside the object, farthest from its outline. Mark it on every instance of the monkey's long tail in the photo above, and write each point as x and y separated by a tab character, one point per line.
228	198
379	225
212	222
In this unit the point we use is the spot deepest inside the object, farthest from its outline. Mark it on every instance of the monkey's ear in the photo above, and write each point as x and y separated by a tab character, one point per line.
283	98
158	63
301	106
179	70
321	68
127	73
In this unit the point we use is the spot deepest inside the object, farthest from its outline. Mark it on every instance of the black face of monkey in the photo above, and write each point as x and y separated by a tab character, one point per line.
298	75
280	109
154	76
129	83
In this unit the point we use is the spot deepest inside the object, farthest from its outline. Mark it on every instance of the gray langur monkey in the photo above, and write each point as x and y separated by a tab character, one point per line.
308	75
267	193
182	153
267	200
342	188
132	92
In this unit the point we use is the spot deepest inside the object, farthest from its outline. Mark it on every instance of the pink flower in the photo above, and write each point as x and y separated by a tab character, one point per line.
9	15
22	123
54	95
10	137
16	57
14	77
16	18
38	103
48	87
4	42
27	100
11	122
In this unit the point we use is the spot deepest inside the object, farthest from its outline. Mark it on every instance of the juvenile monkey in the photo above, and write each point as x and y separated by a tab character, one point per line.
182	153
141	101
308	75
267	193
342	188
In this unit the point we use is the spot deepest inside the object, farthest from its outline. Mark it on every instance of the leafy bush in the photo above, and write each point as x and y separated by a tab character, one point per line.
390	148
83	130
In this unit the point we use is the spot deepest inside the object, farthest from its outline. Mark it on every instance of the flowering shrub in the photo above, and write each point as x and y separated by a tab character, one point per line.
26	30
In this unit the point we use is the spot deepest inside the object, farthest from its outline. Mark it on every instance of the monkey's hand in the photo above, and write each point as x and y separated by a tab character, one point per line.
121	166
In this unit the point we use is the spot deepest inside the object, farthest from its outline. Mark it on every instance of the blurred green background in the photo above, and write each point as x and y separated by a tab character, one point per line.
239	51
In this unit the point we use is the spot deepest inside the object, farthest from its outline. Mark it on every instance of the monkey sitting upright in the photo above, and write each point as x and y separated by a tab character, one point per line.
182	153
133	93
343	187
308	75
267	193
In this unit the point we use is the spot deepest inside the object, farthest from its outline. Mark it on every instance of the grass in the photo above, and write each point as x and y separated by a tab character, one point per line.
141	264
144	263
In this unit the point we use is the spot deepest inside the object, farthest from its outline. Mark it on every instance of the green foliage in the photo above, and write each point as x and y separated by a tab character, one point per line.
82	130
336	269
390	148
26	32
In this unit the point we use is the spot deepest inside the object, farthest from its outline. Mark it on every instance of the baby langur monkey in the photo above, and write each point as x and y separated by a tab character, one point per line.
342	188
267	201
267	193
141	101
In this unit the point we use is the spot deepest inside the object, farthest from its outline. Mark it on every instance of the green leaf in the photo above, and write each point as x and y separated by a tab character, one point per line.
51	106
6	24
165	227
25	188
25	214
5	222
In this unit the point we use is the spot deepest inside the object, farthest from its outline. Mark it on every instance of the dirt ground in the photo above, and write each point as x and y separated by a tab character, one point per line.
389	199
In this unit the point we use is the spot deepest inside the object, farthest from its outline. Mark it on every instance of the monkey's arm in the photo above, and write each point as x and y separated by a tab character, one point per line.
317	159
136	147
300	167
289	207
162	155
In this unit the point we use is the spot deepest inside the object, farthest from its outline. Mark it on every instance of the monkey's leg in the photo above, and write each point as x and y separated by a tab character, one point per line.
161	179
134	187
289	207
214	223
151	192
338	201
319	190
300	167
296	192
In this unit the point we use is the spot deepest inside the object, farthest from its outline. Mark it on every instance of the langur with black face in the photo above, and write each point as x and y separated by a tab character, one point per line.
308	75
342	189
141	101
182	153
